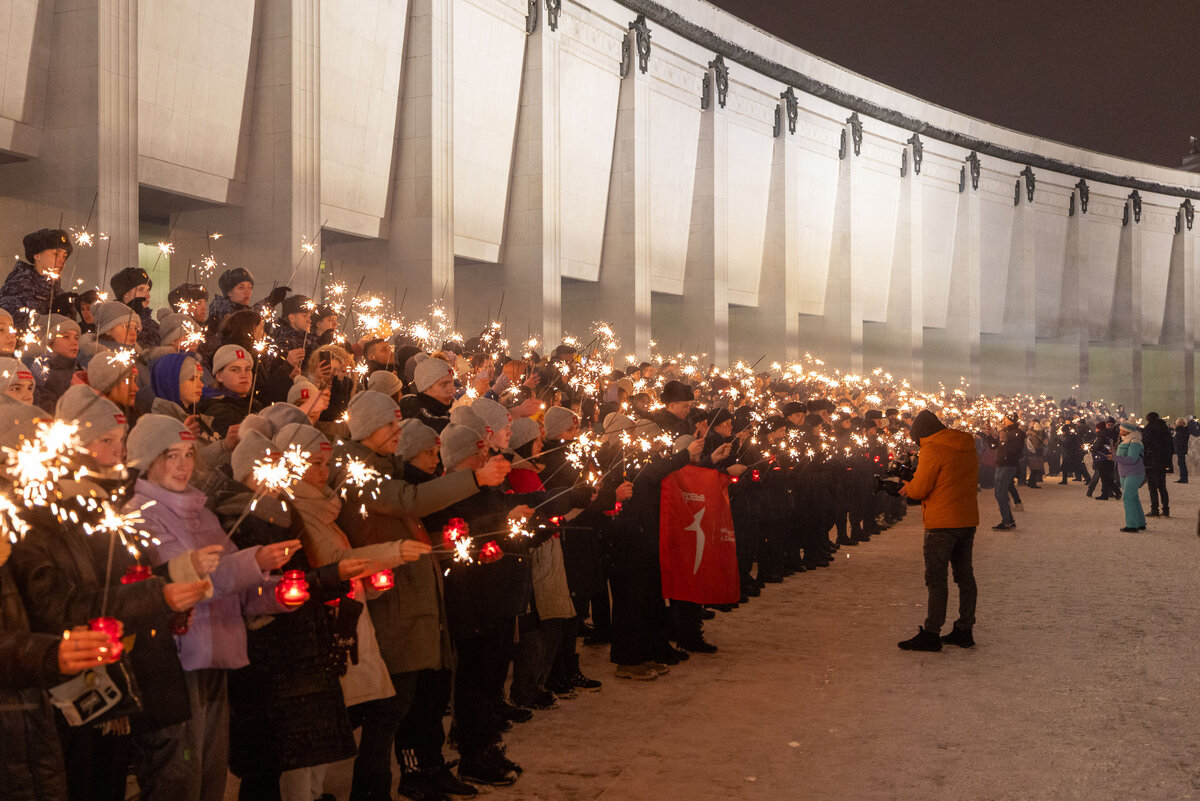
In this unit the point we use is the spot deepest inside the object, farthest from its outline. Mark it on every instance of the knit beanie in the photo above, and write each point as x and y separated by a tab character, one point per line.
46	239
95	414
558	419
231	278
302	391
305	437
524	431
458	444
1127	426
614	423
128	279
495	416
152	435
429	372
384	382
924	424
105	370
111	313
370	411
174	326
12	370
464	415
60	325
18	422
250	449
682	443
6	319
415	437
278	415
227	355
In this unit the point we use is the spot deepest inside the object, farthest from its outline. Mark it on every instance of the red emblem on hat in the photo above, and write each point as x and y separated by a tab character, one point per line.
186	436
120	418
304	394
325	446
398	415
23	375
239	354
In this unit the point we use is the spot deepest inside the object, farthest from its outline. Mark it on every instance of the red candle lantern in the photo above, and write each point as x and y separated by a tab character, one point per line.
181	622
455	529
136	573
490	553
754	475
383	580
112	627
292	590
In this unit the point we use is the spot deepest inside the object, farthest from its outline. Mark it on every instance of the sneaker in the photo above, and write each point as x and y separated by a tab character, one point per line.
924	641
1152	513
483	769
420	786
1004	526
657	667
672	656
582	682
707	614
636	672
1132	529
544	700
517	714
451	784
960	637
563	688
698	646
498	753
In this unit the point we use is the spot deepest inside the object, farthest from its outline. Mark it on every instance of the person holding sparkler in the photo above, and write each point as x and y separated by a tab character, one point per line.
33	284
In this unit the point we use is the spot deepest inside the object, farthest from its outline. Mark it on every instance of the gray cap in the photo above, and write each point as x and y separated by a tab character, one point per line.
385	382
302	391
415	437
558	419
95	414
112	313
228	354
370	411
250	449
429	372
174	326
307	438
459	443
108	367
151	436
12	370
524	431
18	421
464	415
615	423
495	416
60	325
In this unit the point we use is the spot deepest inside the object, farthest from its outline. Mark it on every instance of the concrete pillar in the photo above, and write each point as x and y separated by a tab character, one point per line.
1178	334
421	235
533	246
1075	314
905	328
1125	334
1021	302
777	317
843	318
283	177
705	284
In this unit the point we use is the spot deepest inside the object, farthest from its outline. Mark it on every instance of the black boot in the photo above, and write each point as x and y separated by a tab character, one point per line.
924	641
960	637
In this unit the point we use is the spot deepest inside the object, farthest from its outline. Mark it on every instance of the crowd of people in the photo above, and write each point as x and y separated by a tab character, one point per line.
257	527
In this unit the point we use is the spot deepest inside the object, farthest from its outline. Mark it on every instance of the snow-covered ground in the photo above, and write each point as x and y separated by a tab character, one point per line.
1085	683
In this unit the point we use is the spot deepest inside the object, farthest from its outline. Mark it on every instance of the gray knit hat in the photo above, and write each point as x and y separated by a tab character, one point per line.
524	431
307	438
228	354
60	325
459	443
278	415
12	370
302	391
370	411
558	419
112	313
429	372
250	449
151	436
18	421
415	437
174	326
495	416
108	368
95	414
385	382
615	423
464	415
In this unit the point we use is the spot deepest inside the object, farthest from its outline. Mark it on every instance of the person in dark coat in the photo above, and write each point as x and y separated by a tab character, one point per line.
83	310
677	398
132	286
1160	447
434	381
1009	447
236	286
1072	456
290	333
33	284
1181	436
53	371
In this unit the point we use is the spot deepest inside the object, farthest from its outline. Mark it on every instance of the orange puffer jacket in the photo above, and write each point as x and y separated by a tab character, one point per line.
947	479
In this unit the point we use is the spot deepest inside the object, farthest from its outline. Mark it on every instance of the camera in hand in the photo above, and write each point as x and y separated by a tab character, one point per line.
898	471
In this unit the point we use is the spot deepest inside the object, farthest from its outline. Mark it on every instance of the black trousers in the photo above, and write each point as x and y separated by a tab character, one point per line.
1107	471
421	731
380	720
637	609
1156	478
479	684
1181	459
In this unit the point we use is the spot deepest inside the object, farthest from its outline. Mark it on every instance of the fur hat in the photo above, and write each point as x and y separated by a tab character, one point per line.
295	304
129	279
231	278
429	372
111	313
186	293
415	437
370	411
151	436
227	355
676	391
46	239
557	420
95	414
459	443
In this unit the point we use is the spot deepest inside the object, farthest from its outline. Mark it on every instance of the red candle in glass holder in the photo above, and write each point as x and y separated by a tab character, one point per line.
181	622
490	553
292	590
383	580
454	529
136	573
112	627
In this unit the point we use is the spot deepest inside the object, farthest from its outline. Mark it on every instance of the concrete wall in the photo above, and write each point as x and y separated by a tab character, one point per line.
467	149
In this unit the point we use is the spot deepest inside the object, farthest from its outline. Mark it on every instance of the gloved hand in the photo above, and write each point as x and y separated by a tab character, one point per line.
277	295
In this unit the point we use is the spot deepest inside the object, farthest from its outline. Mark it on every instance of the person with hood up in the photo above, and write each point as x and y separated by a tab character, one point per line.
177	381
945	484
1131	469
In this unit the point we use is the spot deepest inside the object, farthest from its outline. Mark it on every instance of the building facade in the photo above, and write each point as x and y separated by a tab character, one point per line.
662	166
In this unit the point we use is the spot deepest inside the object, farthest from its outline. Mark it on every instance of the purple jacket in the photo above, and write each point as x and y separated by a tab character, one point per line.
181	523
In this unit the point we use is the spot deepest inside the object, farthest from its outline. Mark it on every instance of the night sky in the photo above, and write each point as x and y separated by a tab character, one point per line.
1119	78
